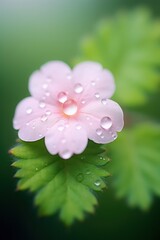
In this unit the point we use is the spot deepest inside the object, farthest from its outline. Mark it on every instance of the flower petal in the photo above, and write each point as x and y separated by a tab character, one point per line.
54	77
92	117
96	81
66	139
30	109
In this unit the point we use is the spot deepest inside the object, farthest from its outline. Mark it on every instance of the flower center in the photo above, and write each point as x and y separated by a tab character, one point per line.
70	107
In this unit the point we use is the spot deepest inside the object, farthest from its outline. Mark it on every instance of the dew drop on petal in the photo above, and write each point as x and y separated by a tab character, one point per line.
114	136
42	104
61	128
78	88
104	101
83	101
45	86
40	135
99	131
78	127
97	183
87	118
47	94
44	118
69	76
48	112
70	107
63	140
29	110
62	97
106	123
66	154
80	177
102	136
93	83
97	95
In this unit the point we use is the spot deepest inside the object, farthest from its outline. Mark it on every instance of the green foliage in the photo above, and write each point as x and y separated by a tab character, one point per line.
136	164
61	185
128	45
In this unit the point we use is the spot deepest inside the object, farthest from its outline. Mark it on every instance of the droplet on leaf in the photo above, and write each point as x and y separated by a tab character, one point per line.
80	177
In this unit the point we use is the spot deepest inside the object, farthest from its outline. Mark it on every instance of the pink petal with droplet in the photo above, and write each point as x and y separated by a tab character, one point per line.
66	137
92	114
53	78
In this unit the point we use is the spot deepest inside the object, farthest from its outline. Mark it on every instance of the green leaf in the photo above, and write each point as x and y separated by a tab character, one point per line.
128	45
136	164
61	185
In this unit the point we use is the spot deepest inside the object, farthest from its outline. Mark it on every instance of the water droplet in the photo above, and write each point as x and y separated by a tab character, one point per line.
88	172
29	110
44	118
62	97
80	177
61	128
66	154
42	104
106	123
47	94
78	127
99	131
40	135
69	76
97	95
70	107
28	123
102	136
93	83
83	101
63	140
83	157
36	169
78	88
33	127
90	123
48	112
97	183
114	136
104	101
87	118
45	86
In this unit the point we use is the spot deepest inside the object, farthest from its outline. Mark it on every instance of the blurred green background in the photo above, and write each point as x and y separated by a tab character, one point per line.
32	33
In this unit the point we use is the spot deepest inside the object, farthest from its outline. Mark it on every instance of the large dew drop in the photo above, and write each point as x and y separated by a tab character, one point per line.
70	107
62	97
78	88
106	123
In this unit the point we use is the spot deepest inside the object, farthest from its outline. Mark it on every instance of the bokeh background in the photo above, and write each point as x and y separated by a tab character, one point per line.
32	33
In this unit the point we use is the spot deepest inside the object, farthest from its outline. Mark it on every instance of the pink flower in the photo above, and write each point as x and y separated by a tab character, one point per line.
68	107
